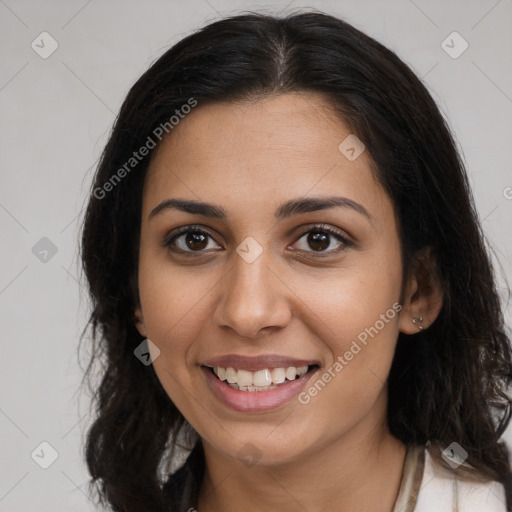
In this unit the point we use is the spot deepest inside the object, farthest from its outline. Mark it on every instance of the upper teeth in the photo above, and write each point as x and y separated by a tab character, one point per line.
261	378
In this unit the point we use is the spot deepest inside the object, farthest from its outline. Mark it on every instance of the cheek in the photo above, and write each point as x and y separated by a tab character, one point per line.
354	381
356	313
173	307
173	299
346	304
177	308
170	307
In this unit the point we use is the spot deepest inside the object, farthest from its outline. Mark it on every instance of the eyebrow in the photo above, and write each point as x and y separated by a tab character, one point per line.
287	209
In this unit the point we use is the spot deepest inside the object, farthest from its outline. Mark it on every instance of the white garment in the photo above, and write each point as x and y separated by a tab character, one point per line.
440	491
429	487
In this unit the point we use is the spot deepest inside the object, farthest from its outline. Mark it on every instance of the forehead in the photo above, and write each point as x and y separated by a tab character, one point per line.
261	151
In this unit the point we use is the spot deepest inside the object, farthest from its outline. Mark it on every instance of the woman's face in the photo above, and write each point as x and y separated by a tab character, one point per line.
262	289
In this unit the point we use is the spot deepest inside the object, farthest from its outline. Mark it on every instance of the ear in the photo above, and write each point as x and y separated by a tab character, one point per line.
139	321
423	295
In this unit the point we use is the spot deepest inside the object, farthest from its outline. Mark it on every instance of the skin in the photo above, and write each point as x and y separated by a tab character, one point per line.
336	452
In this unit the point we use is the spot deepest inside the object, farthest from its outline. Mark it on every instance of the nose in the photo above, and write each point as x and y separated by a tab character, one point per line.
253	299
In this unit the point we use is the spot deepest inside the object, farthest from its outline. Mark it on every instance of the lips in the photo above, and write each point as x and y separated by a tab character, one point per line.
257	383
255	363
260	380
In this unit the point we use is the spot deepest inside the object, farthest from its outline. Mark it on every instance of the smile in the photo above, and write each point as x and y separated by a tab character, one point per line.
246	385
262	380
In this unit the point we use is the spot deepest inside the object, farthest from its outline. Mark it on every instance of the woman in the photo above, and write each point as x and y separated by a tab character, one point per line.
289	280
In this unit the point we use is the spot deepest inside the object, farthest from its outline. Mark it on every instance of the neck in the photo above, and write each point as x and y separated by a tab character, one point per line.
361	470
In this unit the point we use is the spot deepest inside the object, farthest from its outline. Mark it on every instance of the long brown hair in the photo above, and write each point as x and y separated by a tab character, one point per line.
446	385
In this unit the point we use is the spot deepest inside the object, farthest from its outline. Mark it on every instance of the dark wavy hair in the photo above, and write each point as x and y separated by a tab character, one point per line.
447	383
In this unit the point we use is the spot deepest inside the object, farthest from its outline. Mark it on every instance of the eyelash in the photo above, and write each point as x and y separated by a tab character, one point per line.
345	243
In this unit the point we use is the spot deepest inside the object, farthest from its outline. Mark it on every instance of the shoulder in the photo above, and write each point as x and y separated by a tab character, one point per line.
443	490
181	489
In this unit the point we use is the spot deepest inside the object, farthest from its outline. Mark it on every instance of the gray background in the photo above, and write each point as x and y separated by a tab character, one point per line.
56	114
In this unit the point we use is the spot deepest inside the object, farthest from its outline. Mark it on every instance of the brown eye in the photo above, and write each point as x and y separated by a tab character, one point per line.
189	240
196	241
318	241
